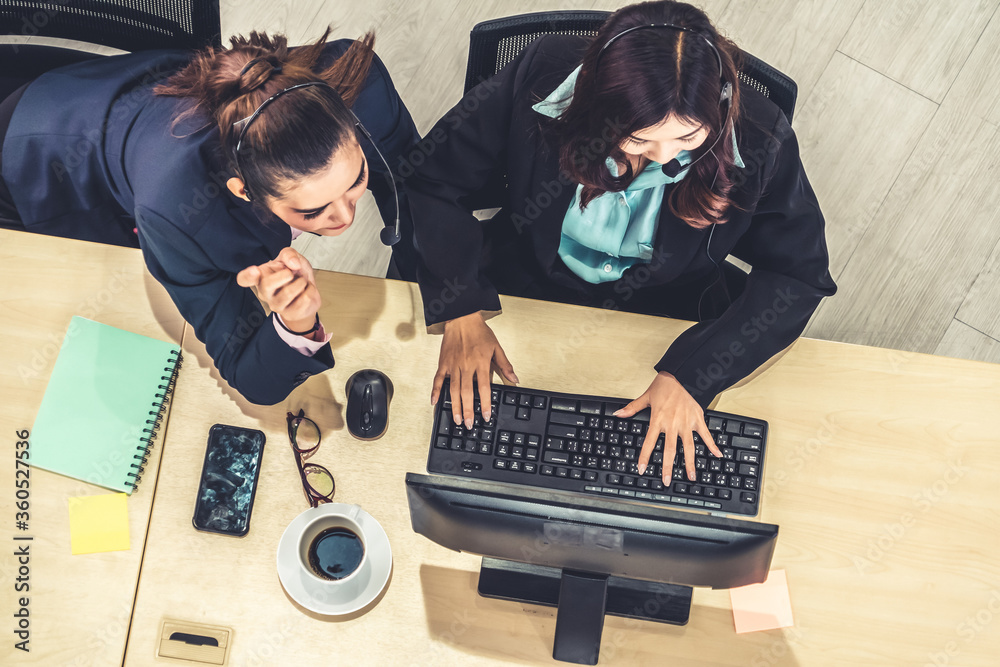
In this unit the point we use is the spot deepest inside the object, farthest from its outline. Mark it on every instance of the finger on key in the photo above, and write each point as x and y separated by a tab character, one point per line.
687	439
485	407
455	389
706	437
468	397
647	449
669	453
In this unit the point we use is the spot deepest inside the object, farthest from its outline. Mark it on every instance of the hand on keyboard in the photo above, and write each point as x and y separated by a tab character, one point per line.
468	347
673	413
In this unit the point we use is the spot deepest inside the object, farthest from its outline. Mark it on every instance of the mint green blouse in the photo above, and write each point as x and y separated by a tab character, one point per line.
617	229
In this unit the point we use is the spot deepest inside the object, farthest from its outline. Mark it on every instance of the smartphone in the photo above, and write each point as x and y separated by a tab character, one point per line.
228	480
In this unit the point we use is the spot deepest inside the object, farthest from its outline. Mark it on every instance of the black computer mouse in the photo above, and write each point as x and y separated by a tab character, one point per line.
368	395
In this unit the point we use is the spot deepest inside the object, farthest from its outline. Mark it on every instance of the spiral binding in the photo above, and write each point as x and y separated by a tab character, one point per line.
156	417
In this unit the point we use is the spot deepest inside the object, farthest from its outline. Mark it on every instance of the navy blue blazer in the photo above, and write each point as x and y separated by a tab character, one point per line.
463	266
90	154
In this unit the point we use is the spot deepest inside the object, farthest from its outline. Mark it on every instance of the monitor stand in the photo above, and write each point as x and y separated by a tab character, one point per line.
583	598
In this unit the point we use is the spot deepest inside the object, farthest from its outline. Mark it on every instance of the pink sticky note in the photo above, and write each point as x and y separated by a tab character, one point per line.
763	606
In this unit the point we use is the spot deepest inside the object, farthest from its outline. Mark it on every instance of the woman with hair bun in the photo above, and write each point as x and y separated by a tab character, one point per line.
212	163
634	163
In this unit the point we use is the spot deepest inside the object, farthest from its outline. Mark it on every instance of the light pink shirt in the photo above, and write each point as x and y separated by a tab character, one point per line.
306	346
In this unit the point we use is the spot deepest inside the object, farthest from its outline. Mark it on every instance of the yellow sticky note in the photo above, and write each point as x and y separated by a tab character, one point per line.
98	523
763	606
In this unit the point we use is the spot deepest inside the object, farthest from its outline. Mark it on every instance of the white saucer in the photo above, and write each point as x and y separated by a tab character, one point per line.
332	598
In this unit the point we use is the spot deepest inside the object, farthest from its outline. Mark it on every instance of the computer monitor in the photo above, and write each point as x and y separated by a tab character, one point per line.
587	555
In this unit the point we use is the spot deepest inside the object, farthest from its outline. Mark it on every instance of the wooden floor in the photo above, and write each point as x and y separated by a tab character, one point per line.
897	117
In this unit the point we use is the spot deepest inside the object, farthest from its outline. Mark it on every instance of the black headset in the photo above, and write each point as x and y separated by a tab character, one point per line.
674	167
390	233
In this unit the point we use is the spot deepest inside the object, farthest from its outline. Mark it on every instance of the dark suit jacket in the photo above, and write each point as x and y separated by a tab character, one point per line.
90	154
494	130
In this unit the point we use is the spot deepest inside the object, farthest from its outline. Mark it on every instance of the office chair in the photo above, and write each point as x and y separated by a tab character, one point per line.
128	25
493	44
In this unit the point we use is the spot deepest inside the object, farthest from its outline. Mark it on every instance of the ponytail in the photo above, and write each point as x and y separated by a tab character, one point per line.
300	132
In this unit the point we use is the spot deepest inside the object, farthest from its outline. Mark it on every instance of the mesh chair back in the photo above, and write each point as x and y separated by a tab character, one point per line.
129	25
493	44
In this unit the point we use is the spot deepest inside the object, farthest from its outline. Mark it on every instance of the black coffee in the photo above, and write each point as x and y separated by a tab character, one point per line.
335	553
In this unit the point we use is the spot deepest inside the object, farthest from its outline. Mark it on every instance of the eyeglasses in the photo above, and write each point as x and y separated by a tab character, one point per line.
317	482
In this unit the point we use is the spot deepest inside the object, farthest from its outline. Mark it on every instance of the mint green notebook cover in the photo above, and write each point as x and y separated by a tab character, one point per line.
105	386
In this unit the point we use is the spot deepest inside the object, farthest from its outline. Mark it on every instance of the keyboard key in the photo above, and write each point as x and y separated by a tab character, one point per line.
641	416
485	447
644	495
729	467
715	424
457	444
568	419
576	473
680	488
732	427
695	490
444	426
705	477
713	506
735	481
725	494
510	398
642	483
517	452
559	431
534	440
523	414
626	492
590	407
748	497
562	472
503	450
749	483
518	439
500	464
563	404
538	402
628	481
748	457
505	437
531	454
572	445
694	502
663	498
710	492
745	443
679	500
524	400
514	465
753	430
441	442
471	445
612	408
748	469
555	457
529	467
720	479
656	485
548	470
614	479
610	491
592	488
576	460
590	475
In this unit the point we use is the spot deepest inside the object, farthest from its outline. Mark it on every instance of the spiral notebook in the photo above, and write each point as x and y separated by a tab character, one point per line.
103	405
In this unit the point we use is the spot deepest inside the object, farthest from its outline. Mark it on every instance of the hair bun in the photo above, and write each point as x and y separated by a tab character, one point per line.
257	72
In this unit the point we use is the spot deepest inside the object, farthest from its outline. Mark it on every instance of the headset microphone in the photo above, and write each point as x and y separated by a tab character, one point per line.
674	167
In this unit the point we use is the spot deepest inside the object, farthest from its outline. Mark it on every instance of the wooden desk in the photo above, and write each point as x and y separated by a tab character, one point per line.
79	606
882	473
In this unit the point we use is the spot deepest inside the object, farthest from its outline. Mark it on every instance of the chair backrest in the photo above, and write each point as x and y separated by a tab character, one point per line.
129	25
493	44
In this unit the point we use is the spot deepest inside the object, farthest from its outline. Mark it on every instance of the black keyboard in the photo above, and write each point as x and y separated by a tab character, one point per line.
572	442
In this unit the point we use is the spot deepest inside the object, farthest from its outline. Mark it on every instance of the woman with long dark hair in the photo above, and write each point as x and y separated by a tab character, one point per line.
634	165
212	162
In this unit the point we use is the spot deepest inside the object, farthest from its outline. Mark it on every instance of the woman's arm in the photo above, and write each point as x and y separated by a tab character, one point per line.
229	319
786	247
